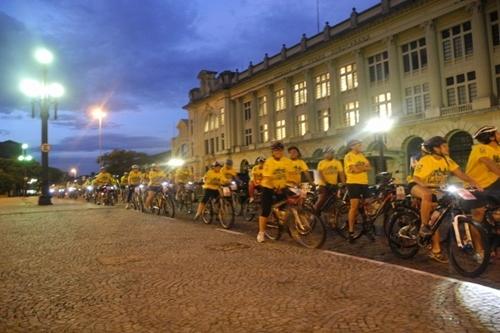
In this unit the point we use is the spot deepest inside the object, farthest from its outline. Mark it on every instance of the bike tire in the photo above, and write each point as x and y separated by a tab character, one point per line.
226	214
249	211
342	222
473	265
208	213
273	229
403	247
310	232
168	207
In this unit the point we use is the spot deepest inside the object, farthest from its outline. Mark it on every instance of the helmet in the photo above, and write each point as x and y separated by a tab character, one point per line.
216	164
328	150
423	149
277	146
294	148
229	162
260	159
352	143
432	143
135	166
484	134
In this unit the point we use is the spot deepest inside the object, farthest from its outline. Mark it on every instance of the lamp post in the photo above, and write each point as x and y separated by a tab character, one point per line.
43	95
99	114
24	158
379	126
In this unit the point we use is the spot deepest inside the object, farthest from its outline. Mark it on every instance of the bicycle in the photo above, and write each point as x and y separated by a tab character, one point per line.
185	198
222	207
251	209
162	203
464	234
138	198
297	219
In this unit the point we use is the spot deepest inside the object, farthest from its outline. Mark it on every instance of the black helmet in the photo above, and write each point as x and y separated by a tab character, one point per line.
484	134
352	143
294	148
216	164
433	142
229	162
277	146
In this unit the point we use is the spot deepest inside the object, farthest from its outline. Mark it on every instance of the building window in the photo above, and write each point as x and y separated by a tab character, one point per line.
263	133
495	28
302	124
497	72
280	130
211	123
378	67
222	143
382	104
322	85
212	146
414	55
222	116
280	100
248	136
207	125
324	120
351	111
247	110
418	98
457	41
299	93
348	77
262	106
461	89
217	143
206	147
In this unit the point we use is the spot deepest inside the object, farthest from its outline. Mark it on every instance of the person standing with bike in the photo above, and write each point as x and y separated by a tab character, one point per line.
329	171
212	181
181	177
275	176
432	172
356	170
134	179
299	167
156	176
256	178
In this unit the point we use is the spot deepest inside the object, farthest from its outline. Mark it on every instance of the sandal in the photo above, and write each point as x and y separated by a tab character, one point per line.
439	257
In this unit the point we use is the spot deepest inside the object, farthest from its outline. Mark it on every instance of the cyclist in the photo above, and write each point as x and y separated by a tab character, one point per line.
156	176
181	177
104	178
228	171
356	170
275	174
124	180
134	179
299	167
213	180
329	171
432	171
256	177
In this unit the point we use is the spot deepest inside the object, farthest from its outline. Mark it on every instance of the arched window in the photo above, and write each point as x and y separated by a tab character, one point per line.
413	152
244	166
460	147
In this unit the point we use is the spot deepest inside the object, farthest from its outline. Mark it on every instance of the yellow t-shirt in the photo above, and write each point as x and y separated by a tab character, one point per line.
433	170
298	166
156	177
103	178
182	175
134	177
477	170
124	180
330	171
356	160
213	180
275	172
229	173
257	174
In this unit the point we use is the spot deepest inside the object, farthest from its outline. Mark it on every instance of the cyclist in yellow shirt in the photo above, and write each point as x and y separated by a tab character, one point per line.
356	169
104	178
275	178
299	167
229	172
256	177
182	176
329	171
431	172
156	176
212	181
133	180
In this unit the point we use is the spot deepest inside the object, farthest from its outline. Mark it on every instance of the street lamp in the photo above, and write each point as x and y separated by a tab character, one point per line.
24	158
73	171
99	114
44	95
379	126
175	162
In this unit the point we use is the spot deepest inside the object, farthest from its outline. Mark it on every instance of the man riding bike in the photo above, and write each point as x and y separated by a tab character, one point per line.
256	178
134	179
329	171
432	172
275	175
104	178
212	181
299	167
356	170
156	176
181	178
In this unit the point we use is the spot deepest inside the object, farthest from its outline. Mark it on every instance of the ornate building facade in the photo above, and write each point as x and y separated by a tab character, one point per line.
431	65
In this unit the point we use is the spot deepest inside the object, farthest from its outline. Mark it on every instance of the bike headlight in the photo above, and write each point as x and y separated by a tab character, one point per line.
141	186
61	190
164	184
71	189
52	190
451	189
90	188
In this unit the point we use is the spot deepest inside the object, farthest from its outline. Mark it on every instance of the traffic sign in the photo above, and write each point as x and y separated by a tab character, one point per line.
45	148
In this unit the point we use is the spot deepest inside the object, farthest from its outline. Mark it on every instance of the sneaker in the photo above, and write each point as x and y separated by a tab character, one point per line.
425	231
196	217
439	257
127	206
261	237
251	200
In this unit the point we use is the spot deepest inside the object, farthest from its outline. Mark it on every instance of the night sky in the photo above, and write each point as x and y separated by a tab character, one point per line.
137	58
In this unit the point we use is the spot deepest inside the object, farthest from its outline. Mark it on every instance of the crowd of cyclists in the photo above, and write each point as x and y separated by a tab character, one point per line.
275	179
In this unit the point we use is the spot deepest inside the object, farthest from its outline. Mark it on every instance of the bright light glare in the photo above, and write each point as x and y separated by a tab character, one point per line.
451	189
55	90
28	158
73	171
98	113
24	146
21	158
44	56
175	162
379	124
31	88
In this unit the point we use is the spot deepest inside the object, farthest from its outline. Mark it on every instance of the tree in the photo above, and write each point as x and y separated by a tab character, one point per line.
118	161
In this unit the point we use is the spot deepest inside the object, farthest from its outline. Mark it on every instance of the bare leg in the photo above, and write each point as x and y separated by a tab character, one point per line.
353	213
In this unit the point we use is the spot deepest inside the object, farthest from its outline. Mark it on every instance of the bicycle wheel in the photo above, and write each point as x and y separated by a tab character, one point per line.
342	221
208	213
250	210
226	213
168	207
273	229
236	204
306	228
469	247
403	233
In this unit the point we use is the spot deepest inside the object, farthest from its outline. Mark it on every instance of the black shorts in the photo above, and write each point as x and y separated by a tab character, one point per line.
490	196
357	191
209	194
268	197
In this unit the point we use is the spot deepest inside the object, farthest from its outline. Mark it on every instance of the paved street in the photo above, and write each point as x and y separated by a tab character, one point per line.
76	267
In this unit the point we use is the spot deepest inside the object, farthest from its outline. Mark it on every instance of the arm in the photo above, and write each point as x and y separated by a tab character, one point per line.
460	174
420	182
491	165
342	176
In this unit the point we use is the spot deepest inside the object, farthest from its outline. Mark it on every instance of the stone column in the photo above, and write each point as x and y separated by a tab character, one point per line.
290	116
336	111
311	103
255	119
434	69
394	76
271	113
481	56
365	111
228	123
238	123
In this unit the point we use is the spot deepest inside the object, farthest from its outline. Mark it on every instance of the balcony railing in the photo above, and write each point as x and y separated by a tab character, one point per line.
413	116
457	109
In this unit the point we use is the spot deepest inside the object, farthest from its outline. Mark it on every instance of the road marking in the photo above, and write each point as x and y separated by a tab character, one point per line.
229	231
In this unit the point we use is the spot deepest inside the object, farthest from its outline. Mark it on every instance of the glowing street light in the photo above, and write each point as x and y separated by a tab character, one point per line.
44	56
73	171
99	114
379	126
175	162
24	146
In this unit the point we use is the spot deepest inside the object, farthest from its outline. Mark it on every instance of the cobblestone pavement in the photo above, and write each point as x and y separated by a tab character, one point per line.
78	268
